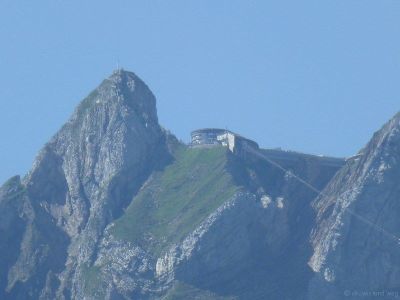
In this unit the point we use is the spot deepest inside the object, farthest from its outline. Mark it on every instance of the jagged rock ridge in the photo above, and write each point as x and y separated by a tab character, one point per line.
81	180
116	208
356	238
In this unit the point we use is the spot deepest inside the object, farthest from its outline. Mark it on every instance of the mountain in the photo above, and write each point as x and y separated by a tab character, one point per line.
81	181
115	207
356	239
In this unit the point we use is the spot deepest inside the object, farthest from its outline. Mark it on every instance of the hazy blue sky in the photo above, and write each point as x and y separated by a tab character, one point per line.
313	76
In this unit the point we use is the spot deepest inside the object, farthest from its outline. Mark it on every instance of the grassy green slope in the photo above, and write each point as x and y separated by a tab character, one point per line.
175	201
182	291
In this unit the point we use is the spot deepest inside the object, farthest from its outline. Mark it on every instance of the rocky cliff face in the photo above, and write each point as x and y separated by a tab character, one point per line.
81	180
252	245
356	238
116	208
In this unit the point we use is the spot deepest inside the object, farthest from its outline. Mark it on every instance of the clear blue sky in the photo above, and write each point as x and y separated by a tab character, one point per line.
313	76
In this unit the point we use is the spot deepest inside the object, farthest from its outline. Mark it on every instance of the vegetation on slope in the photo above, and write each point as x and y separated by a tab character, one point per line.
174	202
182	291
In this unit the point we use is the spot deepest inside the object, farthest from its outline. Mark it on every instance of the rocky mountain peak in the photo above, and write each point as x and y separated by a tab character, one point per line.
89	171
358	213
123	91
129	86
387	140
116	208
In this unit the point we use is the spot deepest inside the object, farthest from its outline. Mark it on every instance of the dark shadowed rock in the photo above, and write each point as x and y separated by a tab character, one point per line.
115	207
81	180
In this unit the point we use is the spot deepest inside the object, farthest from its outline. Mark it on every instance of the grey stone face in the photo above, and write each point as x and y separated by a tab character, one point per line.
355	240
270	239
81	180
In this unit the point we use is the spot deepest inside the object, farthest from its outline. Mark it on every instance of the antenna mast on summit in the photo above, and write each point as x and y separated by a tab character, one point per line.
118	67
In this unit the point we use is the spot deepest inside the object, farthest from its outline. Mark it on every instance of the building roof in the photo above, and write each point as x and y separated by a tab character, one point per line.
219	130
210	129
